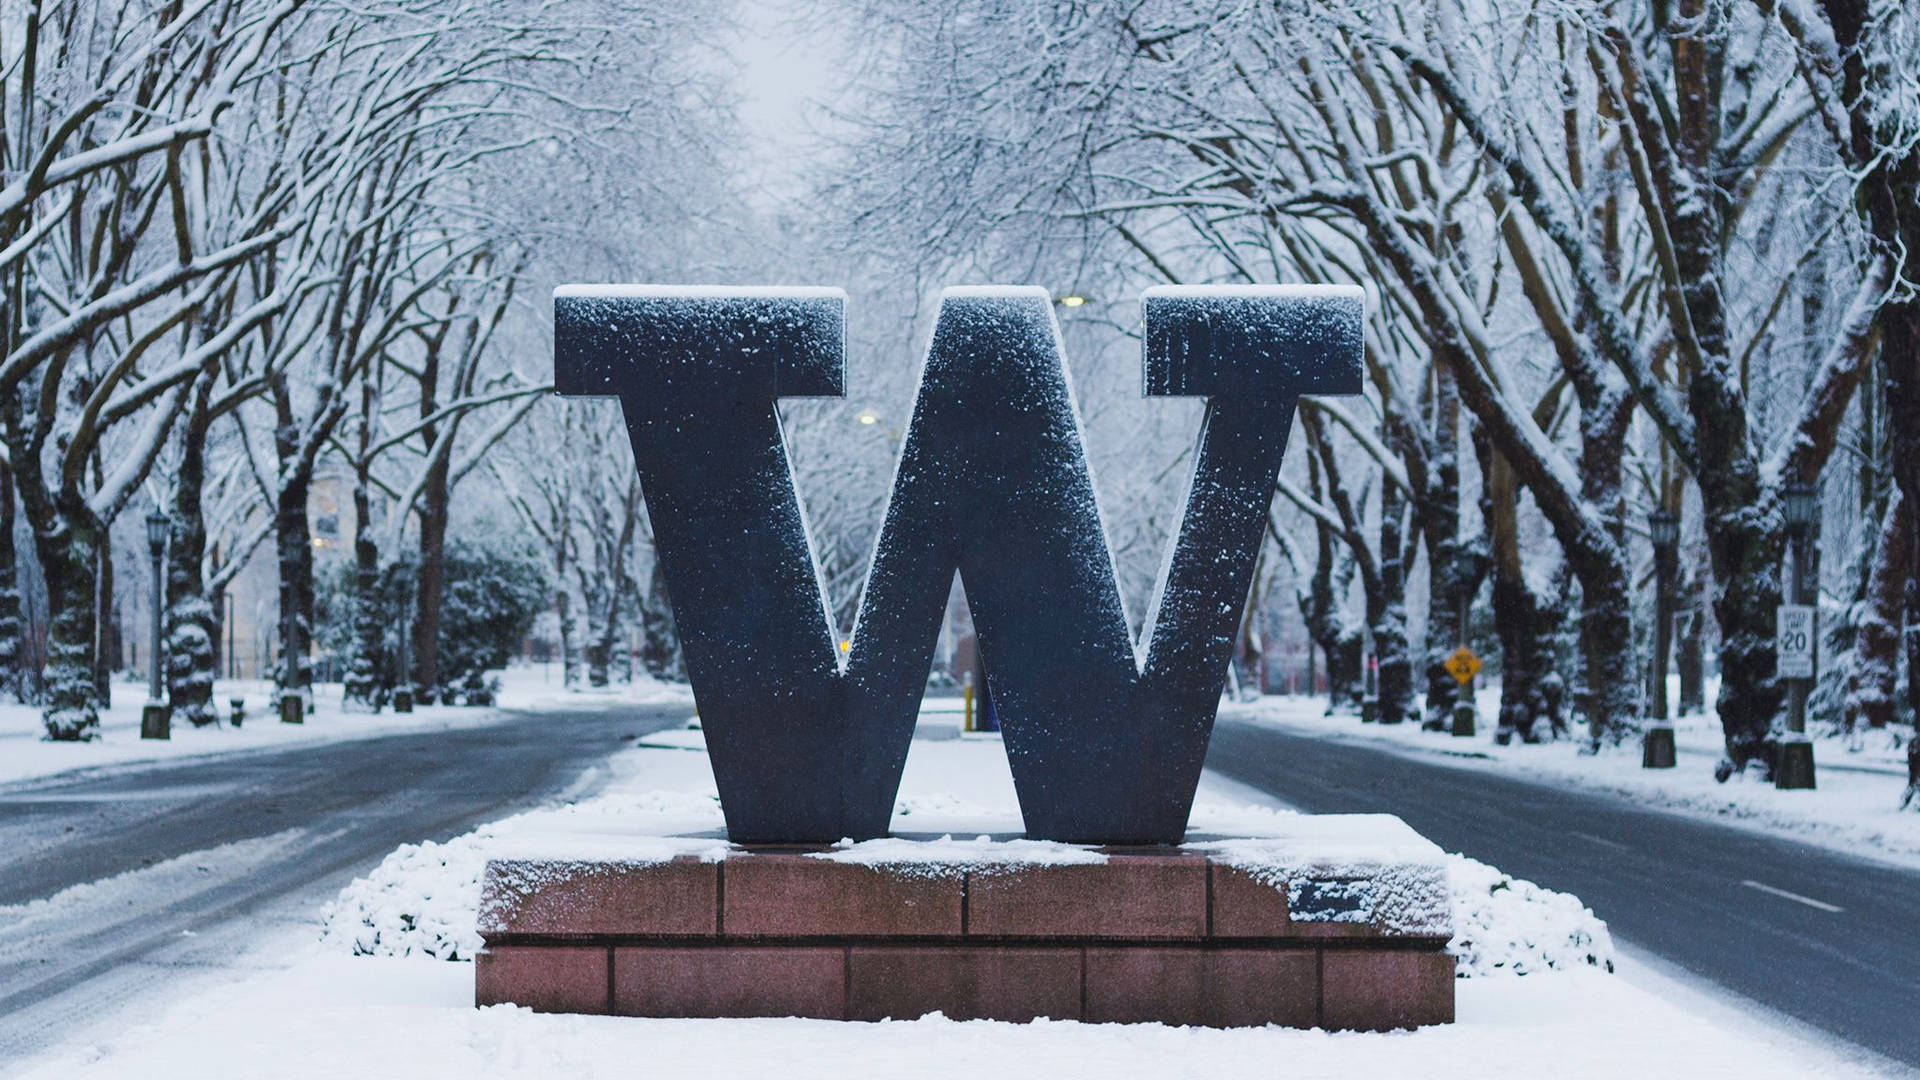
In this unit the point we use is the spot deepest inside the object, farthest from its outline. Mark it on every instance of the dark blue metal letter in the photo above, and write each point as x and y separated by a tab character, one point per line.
1105	740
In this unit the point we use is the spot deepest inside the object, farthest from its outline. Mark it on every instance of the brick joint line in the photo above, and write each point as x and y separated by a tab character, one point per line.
1320	988
1083	984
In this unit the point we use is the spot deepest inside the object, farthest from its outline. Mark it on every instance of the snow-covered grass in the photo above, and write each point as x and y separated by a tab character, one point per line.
1855	808
26	753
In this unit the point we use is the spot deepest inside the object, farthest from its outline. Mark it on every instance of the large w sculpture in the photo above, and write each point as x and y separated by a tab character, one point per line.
1105	738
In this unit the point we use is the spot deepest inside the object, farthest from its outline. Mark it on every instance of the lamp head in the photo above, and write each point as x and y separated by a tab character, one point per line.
1800	503
1664	526
157	526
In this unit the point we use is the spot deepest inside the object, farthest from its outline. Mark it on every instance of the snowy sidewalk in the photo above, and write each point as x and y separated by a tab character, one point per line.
319	1011
26	754
1855	809
326	1017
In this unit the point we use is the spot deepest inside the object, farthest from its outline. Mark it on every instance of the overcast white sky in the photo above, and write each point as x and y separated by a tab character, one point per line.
787	69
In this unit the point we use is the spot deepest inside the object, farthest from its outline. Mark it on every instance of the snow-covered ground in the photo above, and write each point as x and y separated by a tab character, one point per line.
327	1016
363	991
1855	808
26	753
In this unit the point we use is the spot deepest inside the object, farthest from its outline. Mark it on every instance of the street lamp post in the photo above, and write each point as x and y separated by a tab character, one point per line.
1801	504
1656	747
156	719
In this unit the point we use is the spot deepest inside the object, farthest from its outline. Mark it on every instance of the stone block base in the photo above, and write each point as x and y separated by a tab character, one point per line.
1335	988
1183	937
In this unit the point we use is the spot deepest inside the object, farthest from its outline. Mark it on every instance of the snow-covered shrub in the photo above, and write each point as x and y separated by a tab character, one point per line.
420	901
491	597
1503	925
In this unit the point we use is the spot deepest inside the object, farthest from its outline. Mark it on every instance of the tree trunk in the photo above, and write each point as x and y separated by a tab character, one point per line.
1452	574
1338	641
1610	698
431	584
366	689
1390	648
71	710
1690	659
1744	531
600	655
192	630
1873	682
11	625
217	600
569	654
106	622
1523	623
63	546
660	642
293	540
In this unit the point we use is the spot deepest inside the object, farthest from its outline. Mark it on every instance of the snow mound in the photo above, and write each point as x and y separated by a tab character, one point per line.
420	901
1506	926
424	899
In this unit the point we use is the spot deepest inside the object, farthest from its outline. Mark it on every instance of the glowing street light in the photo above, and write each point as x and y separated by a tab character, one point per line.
1072	300
869	418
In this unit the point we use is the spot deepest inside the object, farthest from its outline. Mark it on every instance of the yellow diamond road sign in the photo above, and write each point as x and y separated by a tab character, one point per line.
1463	665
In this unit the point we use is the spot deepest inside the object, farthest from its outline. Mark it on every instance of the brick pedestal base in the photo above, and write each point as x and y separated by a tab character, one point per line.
1180	938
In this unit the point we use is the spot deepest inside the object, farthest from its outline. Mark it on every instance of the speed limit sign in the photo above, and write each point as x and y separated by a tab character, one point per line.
1793	637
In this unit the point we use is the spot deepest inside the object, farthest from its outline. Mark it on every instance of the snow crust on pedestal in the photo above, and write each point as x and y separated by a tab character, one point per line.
1383	872
947	856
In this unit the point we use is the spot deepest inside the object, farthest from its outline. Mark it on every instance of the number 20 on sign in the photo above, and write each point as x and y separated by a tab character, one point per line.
1793	640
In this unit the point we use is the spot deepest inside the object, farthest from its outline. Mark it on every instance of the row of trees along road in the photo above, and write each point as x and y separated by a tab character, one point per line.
1624	256
248	244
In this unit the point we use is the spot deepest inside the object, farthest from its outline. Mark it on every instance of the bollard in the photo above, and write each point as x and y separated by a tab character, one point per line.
292	709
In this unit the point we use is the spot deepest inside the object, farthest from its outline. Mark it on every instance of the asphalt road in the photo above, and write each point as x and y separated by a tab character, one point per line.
202	846
1830	940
